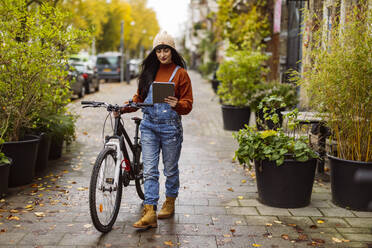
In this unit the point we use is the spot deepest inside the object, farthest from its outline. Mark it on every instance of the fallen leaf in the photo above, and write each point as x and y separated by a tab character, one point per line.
88	225
244	181
256	245
39	214
169	243
11	217
302	237
336	240
227	235
14	211
3	230
17	226
320	221
65	171
2	200
108	245
293	225
232	231
285	236
320	241
278	222
313	226
240	197
230	189
85	133
82	188
269	224
238	222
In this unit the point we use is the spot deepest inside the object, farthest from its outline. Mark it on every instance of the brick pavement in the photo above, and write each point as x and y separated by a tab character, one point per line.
216	207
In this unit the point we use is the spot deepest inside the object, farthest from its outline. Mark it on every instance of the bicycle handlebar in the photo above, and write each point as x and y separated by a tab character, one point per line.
115	107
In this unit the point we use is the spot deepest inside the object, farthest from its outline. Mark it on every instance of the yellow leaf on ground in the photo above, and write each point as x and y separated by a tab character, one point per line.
65	171
269	224
256	245
82	188
336	240
230	189
169	243
14	211
240	197
29	206
39	214
244	181
320	221
11	217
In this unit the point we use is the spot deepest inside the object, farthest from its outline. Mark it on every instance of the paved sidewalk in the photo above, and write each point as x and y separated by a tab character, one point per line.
216	207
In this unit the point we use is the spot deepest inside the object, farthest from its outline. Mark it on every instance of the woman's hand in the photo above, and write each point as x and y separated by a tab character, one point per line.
171	100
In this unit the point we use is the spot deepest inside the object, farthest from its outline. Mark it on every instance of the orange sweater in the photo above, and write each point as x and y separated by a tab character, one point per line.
183	89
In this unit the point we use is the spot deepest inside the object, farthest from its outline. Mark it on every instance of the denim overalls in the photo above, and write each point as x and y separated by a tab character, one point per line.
161	128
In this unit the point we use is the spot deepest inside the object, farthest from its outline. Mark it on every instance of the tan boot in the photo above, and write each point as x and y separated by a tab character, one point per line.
167	210
148	218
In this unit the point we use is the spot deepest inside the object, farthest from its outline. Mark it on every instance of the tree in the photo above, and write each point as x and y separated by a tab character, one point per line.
35	43
244	25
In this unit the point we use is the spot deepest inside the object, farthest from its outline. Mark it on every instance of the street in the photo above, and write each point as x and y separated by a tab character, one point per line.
217	204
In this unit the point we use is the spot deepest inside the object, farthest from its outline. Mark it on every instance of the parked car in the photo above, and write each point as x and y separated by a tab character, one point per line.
134	67
86	70
77	82
108	66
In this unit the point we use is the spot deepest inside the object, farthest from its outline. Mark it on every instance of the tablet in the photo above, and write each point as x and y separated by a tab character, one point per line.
161	90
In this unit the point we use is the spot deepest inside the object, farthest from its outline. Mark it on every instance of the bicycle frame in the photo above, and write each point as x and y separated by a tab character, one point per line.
121	148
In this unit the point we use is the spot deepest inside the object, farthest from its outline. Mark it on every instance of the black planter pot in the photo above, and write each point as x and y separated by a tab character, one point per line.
234	118
56	145
286	186
24	155
43	153
269	123
4	177
348	190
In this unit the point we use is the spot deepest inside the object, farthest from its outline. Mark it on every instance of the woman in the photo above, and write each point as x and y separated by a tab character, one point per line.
161	127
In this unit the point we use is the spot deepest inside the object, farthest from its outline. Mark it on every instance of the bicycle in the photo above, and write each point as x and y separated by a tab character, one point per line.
114	169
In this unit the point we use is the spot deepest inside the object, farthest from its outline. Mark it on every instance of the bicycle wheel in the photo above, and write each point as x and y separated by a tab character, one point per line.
104	192
138	170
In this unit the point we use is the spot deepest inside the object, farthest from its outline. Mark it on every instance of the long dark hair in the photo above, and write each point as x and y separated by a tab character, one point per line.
150	67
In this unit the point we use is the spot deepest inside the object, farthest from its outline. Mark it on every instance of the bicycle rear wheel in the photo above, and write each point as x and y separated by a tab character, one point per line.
104	193
138	171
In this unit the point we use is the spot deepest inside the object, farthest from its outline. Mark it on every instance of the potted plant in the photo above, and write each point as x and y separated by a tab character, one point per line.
34	44
5	164
239	76
339	84
284	164
278	96
62	128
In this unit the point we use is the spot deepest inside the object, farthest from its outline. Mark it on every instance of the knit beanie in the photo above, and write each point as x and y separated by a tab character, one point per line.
163	38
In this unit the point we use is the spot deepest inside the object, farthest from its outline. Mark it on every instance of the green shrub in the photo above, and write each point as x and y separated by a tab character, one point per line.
272	145
35	43
339	82
240	76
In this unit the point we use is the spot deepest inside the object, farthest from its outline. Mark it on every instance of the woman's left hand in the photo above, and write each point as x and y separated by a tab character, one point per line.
171	100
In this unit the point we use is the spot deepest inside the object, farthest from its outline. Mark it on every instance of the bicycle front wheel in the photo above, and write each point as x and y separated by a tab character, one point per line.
105	191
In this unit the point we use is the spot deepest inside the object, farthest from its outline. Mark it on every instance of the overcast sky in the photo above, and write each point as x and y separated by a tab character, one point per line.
171	14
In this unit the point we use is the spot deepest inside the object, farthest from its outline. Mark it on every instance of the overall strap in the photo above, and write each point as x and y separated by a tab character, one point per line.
174	73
